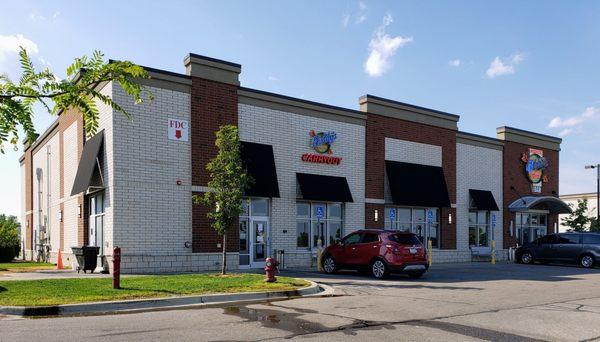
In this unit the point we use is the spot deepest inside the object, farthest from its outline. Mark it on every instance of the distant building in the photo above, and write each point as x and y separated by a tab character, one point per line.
572	199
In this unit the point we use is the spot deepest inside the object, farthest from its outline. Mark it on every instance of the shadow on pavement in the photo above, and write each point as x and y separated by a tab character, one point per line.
456	273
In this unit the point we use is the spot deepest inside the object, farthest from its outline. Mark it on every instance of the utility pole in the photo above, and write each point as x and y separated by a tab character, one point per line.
597	167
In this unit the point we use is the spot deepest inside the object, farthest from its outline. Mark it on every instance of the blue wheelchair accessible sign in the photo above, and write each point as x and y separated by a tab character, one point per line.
392	214
429	216
319	212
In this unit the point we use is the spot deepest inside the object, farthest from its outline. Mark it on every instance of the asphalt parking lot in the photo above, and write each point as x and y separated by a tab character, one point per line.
477	301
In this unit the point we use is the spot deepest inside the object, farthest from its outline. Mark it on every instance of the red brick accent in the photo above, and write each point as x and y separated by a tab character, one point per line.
379	127
514	175
28	200
204	238
65	120
370	222
214	104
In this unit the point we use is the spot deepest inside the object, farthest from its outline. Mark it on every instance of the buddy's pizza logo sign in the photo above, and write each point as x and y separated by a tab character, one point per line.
536	168
321	143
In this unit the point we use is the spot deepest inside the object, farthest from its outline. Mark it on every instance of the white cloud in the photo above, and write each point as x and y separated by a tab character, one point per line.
345	19
273	78
454	62
9	46
359	17
506	66
573	124
382	47
35	16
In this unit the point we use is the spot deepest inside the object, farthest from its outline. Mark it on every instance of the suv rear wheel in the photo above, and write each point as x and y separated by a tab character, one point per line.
586	261
329	265
379	269
527	257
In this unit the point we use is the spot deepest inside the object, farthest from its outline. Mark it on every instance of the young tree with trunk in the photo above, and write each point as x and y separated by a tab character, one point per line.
228	180
578	220
79	90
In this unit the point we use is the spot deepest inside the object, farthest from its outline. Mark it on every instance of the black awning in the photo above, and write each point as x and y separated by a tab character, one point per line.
483	200
417	185
324	188
259	162
87	163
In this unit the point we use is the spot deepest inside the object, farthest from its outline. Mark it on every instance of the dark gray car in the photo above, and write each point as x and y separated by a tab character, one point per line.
580	248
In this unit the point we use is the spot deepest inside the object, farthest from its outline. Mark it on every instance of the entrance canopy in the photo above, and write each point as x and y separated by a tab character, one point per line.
324	188
87	163
552	204
417	185
259	162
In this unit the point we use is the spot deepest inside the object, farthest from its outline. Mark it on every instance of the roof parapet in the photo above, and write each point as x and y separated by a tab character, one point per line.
404	111
528	138
212	69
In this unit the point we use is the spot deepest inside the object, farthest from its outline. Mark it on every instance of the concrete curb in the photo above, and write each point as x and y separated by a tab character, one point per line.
163	304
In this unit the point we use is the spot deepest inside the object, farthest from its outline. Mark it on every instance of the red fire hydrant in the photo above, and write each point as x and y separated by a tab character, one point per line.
270	269
116	280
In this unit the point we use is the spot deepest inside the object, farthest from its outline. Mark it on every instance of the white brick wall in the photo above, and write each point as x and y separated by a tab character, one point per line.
51	176
413	152
70	202
477	168
151	215
288	133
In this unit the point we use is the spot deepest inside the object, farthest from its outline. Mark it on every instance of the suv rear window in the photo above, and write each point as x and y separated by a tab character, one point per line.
370	237
405	239
591	239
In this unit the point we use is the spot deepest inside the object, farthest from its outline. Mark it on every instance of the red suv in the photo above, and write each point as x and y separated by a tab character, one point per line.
380	251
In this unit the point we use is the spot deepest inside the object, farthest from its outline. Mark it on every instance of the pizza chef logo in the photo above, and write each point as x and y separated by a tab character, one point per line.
321	142
536	168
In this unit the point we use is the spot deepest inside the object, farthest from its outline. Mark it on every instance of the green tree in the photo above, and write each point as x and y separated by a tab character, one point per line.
594	225
228	180
578	219
78	90
9	238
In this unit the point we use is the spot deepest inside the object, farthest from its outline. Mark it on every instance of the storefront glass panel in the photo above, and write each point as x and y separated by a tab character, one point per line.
254	232
413	220
323	222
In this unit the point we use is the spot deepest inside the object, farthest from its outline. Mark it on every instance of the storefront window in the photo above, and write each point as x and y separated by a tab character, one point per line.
479	223
413	220
322	222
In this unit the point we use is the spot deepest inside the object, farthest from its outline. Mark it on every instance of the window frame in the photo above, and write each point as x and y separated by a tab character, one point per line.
477	225
327	220
414	222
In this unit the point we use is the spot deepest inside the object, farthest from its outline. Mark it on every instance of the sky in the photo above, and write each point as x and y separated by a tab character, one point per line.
532	65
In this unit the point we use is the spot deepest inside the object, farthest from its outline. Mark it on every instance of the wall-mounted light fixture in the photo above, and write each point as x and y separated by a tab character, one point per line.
376	218
60	216
79	211
449	218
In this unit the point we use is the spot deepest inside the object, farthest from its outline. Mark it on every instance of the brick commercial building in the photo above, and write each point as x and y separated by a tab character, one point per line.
320	173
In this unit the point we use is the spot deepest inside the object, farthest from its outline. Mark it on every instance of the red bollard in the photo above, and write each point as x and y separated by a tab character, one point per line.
270	269
116	280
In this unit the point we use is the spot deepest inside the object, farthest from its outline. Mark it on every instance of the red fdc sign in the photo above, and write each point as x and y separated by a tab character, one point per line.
320	159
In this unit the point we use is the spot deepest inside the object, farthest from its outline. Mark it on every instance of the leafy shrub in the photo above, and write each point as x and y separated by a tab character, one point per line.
9	238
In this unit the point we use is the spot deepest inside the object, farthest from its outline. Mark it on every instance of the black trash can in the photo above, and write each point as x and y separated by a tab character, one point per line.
87	258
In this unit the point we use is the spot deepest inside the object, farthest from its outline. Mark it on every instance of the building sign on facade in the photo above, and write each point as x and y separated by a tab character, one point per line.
178	130
322	144
535	168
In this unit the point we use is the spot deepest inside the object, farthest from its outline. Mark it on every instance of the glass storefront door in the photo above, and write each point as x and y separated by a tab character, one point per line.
530	226
259	243
254	233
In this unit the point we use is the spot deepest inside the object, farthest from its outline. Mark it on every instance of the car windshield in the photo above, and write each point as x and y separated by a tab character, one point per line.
405	239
